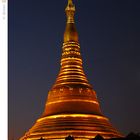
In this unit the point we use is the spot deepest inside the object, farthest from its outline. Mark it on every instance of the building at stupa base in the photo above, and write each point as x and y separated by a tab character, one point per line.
72	107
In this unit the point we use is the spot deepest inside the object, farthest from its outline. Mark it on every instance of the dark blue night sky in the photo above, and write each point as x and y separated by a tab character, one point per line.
109	34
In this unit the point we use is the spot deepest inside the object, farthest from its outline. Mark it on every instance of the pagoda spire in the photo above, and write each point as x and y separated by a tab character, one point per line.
71	71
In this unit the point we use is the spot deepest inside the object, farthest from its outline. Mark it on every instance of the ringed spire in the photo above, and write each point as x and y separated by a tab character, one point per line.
71	71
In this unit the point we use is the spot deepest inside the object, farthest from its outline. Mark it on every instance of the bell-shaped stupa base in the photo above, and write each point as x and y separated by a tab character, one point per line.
71	111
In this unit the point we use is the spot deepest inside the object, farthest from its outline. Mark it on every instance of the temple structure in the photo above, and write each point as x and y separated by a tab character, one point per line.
72	107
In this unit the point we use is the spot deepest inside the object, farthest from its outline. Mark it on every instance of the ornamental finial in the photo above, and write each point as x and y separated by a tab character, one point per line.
70	33
70	10
70	2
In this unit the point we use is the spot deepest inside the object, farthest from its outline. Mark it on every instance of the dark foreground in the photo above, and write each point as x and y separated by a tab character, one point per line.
130	136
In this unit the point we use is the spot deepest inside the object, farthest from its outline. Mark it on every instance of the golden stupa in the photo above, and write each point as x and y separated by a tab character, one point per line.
72	107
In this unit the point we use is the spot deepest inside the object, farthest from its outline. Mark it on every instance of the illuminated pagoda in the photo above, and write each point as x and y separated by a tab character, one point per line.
72	107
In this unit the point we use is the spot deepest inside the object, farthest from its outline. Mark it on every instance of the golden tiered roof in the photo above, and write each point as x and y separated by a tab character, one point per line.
72	107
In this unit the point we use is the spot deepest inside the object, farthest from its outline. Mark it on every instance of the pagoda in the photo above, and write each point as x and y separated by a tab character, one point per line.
72	107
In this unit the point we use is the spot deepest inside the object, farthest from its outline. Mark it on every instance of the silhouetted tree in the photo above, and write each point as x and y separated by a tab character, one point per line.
69	138
98	137
133	136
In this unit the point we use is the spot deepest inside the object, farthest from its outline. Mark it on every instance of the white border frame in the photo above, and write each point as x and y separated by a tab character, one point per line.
3	69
